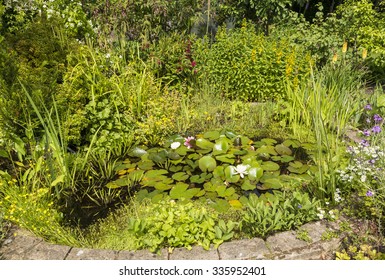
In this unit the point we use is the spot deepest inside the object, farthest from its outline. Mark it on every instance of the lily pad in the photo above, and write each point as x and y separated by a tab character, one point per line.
227	158
269	141
178	190
247	186
204	144
220	147
212	135
283	150
137	152
255	173
180	176
207	163
270	166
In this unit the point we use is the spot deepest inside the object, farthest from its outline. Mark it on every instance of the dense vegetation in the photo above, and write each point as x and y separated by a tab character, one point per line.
229	119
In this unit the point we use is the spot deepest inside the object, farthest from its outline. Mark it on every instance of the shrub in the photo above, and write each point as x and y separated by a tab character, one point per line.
250	67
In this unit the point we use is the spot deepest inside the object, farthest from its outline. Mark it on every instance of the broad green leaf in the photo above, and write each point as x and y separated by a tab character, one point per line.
137	152
204	144
212	135
270	166
178	190
221	146
247	186
227	158
292	143
231	175
269	141
283	150
267	150
219	172
207	163
236	204
180	176
255	173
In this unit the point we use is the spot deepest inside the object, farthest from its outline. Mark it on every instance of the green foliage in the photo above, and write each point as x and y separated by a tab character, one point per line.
217	165
279	212
245	66
363	252
303	235
35	211
179	225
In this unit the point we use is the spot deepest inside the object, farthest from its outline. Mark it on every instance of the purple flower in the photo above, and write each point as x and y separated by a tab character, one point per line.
368	107
365	143
369	193
372	161
187	142
376	129
366	132
377	118
299	206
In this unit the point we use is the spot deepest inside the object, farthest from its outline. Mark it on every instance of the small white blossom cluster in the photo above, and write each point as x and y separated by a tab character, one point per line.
364	164
337	195
322	214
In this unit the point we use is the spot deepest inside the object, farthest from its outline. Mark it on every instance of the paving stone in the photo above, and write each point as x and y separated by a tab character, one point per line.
17	245
304	254
142	255
196	253
245	249
315	230
285	242
46	251
91	254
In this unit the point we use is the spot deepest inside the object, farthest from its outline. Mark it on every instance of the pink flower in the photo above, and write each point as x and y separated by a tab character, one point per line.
187	142
193	63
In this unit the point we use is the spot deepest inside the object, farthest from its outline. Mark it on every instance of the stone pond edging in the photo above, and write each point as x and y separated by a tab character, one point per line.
22	245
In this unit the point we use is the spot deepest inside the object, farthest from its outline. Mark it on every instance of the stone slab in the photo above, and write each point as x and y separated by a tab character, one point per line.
246	249
315	230
17	245
304	254
142	255
91	254
46	251
285	242
196	253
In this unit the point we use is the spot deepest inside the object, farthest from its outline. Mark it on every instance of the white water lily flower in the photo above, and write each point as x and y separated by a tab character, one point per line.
241	169
175	145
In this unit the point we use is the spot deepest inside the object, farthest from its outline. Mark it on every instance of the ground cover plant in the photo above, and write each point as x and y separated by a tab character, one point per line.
229	119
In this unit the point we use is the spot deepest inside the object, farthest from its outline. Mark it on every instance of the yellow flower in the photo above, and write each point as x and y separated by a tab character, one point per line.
345	47
364	53
335	57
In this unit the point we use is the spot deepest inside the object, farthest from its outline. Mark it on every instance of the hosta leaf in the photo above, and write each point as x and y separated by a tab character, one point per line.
207	163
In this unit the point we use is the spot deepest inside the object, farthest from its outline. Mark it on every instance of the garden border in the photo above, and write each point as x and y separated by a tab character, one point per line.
22	245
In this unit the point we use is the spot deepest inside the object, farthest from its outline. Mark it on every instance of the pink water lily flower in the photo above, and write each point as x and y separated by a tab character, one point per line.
187	142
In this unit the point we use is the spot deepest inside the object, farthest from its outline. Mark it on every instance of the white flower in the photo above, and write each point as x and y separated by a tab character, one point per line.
175	145
363	178
108	56
241	169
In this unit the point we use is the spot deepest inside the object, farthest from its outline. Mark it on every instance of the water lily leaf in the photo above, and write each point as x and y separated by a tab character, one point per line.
292	143
266	150
228	158
230	134
212	135
159	157
182	150
137	152
175	168
197	179
221	205
219	172
299	170
194	156
146	165
161	186
157	198
172	139
207	163
270	166
269	141
255	173
200	193
287	158
272	183
204	151
235	203
180	176
190	193
221	190
209	187
125	166
204	144
220	147
173	155
155	173
178	190
231	174
247	186
283	150
142	194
